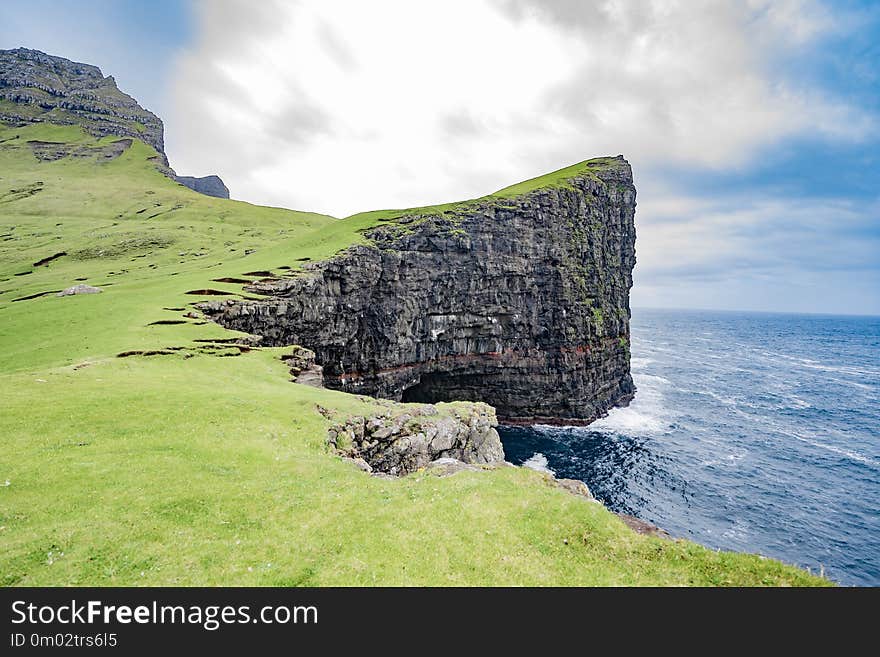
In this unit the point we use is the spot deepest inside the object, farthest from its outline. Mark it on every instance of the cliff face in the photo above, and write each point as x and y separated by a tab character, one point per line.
521	302
37	87
207	185
40	88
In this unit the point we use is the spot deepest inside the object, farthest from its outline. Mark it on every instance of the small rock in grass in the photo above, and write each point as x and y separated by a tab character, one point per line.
82	288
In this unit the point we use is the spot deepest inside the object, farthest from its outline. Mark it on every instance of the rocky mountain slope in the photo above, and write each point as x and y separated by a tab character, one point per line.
521	302
40	88
36	87
207	185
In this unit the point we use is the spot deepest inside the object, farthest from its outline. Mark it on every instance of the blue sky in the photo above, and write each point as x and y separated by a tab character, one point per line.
753	128
135	42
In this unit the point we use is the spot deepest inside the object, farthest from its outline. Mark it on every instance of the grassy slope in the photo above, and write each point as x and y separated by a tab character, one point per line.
212	470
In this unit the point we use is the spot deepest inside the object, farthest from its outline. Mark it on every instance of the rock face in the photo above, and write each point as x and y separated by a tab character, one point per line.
521	302
36	87
303	369
398	443
40	88
207	185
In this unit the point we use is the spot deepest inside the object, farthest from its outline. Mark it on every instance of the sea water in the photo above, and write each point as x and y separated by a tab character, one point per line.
752	432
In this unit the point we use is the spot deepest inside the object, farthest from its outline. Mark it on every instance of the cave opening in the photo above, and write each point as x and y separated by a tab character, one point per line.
445	387
420	393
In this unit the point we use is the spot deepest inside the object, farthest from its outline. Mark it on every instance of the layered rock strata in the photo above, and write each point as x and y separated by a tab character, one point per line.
40	88
519	301
37	87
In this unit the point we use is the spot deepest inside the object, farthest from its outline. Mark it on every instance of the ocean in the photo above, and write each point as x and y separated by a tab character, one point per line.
753	432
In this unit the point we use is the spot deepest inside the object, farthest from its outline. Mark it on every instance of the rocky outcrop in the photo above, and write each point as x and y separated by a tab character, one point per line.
81	288
303	370
521	302
643	527
36	87
207	185
399	440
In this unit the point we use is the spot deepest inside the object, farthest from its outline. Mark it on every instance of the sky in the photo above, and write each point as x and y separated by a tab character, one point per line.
753	127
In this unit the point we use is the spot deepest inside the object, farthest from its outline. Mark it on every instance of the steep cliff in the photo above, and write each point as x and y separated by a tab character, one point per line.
519	299
207	185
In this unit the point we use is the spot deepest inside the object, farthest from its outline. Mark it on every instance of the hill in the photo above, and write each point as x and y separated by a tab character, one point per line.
145	445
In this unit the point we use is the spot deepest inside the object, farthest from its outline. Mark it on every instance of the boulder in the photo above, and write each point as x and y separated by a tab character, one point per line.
82	288
398	439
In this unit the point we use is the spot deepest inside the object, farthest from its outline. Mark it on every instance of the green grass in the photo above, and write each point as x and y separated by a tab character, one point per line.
195	469
554	180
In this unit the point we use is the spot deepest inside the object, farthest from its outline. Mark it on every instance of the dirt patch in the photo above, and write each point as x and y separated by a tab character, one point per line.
48	259
122	244
37	295
231	280
177	310
165	322
50	151
209	292
258	273
218	340
643	527
175	208
148	352
21	193
24	273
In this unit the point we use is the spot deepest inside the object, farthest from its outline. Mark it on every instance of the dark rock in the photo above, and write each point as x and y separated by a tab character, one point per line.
36	87
521	302
207	185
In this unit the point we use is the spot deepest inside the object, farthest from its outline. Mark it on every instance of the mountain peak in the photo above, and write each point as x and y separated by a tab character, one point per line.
38	87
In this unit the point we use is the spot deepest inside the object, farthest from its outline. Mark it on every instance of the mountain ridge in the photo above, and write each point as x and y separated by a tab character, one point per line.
36	87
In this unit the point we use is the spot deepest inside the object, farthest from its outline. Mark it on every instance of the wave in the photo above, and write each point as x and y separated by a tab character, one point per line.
811	364
647	414
840	451
538	461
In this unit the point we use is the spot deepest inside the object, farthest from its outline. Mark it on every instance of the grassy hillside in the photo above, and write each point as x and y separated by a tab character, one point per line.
207	466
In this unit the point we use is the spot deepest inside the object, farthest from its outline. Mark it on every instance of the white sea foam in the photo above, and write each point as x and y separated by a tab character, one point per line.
730	460
850	370
646	415
640	363
840	451
538	461
797	402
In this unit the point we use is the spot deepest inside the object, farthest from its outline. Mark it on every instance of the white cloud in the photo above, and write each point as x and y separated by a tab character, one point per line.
345	106
757	252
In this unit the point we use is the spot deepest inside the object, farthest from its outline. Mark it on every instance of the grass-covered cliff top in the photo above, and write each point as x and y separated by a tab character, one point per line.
206	466
560	179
